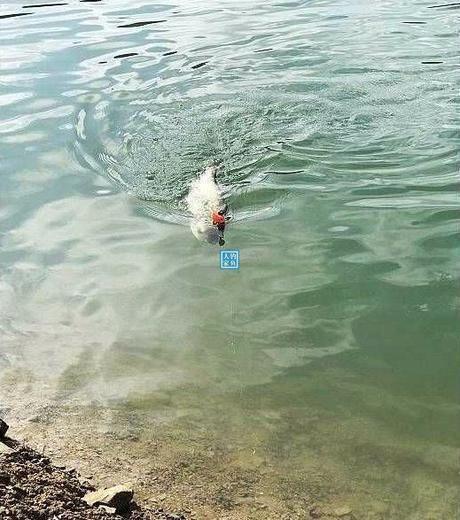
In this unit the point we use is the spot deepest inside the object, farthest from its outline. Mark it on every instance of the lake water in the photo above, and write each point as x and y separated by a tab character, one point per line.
324	374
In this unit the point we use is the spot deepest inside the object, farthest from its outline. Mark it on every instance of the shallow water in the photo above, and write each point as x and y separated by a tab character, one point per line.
329	363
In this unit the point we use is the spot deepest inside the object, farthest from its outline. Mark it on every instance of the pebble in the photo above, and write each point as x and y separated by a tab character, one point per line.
342	511
315	512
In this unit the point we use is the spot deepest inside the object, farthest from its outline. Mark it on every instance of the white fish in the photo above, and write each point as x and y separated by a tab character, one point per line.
205	203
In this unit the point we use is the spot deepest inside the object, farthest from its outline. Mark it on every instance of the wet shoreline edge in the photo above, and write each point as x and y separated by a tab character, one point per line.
33	487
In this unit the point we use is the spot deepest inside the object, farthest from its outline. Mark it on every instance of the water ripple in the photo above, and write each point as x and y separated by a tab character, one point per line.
337	128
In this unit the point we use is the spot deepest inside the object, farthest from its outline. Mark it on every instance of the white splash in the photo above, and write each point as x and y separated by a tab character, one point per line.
204	199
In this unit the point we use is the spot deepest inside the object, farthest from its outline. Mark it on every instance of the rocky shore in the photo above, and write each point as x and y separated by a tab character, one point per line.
33	488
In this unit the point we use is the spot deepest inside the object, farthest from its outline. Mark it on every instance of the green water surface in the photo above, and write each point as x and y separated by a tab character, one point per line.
332	357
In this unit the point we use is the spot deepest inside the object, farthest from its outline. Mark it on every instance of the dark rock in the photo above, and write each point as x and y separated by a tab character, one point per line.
3	428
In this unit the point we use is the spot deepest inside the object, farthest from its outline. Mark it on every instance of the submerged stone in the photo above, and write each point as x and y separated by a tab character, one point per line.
342	511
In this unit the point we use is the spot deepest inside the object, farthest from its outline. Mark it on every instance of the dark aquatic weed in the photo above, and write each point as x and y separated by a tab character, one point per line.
126	55
44	5
454	5
199	65
12	15
140	24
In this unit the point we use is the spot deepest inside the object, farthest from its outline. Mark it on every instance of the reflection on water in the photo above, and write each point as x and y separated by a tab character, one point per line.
324	372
